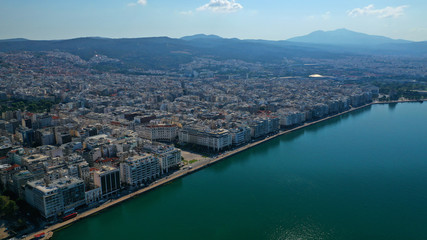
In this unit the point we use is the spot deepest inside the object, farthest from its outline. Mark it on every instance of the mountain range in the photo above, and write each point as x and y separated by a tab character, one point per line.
345	37
165	53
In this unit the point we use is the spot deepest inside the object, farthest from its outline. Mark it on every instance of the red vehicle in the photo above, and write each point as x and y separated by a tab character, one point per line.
40	235
69	216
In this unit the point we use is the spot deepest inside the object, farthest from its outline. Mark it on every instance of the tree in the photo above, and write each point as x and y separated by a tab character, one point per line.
3	202
7	207
11	208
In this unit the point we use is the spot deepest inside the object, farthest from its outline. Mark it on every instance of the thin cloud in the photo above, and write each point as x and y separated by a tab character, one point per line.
221	6
370	10
326	15
186	12
139	2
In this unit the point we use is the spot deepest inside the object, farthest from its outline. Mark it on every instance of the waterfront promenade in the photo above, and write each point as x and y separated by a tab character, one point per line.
195	167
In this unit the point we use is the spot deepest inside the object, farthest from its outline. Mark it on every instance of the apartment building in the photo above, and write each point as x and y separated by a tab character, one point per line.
139	169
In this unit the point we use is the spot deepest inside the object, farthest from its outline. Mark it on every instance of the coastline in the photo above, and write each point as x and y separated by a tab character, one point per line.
196	167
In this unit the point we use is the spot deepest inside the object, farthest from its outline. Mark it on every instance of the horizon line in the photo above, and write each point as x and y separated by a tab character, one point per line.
205	34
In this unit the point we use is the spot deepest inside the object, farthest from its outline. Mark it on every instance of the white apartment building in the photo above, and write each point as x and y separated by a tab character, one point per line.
93	196
241	135
44	198
137	170
161	132
214	140
53	199
292	118
169	157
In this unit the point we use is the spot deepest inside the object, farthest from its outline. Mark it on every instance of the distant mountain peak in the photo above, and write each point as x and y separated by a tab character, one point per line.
344	36
201	36
343	30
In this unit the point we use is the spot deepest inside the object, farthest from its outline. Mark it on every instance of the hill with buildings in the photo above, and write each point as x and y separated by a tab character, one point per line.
166	53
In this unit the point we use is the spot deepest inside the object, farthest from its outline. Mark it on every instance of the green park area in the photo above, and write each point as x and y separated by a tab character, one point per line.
35	106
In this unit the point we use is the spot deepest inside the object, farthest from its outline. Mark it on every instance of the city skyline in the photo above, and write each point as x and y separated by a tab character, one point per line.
244	19
117	110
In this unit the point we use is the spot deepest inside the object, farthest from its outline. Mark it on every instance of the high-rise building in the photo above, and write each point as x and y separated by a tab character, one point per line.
168	156
160	132
241	135
215	140
44	137
108	179
44	198
72	192
138	170
19	180
55	198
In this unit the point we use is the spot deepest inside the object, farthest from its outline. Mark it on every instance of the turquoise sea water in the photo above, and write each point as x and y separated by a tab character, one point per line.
359	176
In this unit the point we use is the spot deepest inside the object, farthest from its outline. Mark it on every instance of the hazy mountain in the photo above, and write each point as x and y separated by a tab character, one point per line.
200	36
344	37
163	52
13	40
167	53
159	52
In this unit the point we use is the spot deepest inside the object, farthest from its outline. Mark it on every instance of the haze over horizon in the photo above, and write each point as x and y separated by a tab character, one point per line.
244	19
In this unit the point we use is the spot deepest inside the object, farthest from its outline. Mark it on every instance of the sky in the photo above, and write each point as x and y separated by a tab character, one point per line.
244	19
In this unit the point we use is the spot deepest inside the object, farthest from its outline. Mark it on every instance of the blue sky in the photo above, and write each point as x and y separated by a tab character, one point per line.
246	19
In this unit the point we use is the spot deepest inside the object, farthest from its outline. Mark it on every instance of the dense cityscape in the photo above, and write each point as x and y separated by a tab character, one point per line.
74	137
213	119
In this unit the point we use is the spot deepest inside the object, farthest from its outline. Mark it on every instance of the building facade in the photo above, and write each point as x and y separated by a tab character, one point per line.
108	179
137	170
169	158
93	195
161	132
53	199
215	140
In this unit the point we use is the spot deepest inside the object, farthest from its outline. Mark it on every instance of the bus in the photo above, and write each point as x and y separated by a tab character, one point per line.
39	236
69	216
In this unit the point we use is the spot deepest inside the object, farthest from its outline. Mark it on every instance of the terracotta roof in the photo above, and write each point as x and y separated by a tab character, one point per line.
13	167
